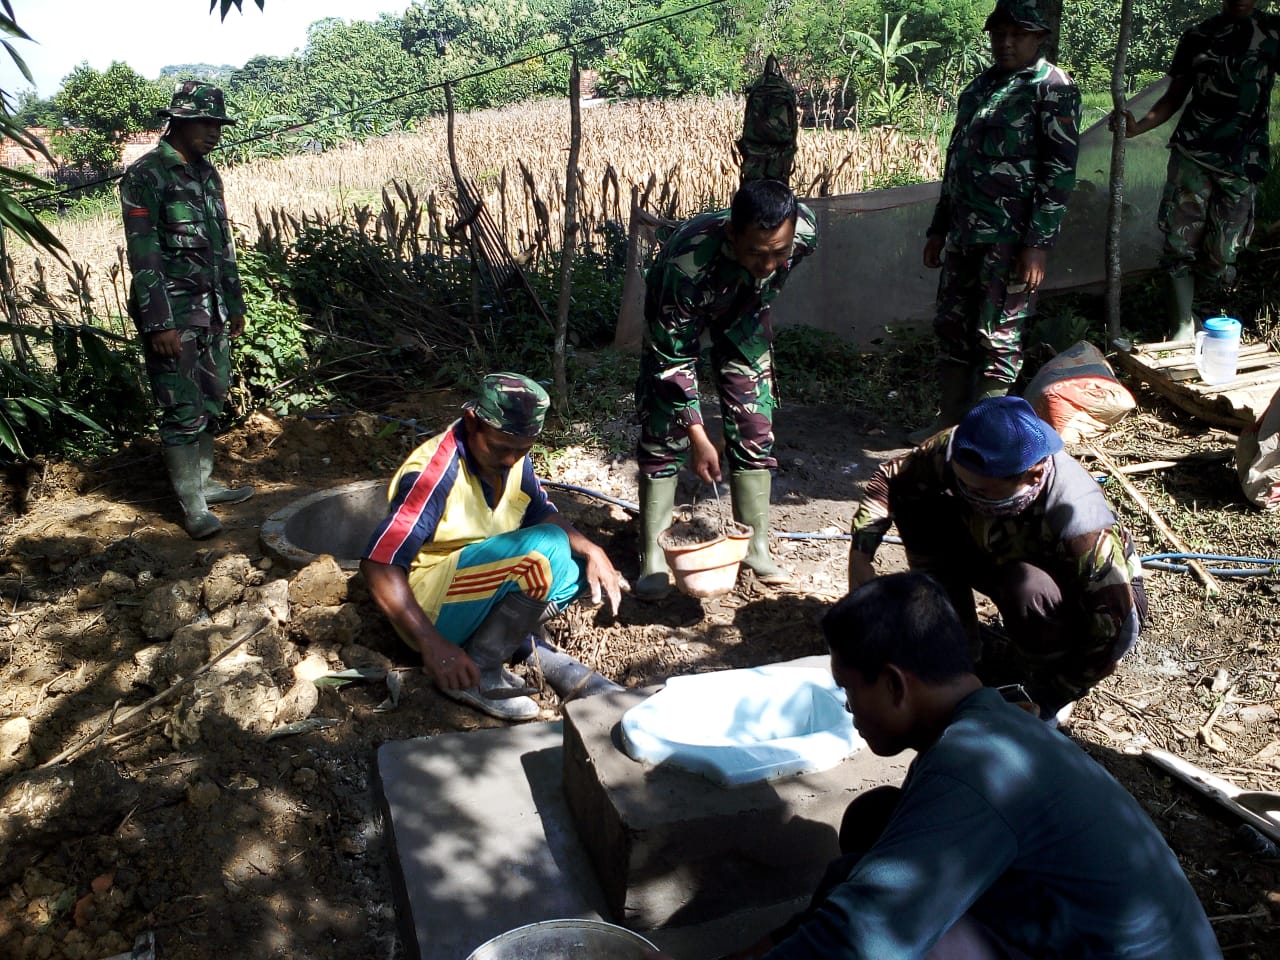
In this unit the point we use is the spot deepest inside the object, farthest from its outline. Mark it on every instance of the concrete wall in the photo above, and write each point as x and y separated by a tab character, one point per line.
867	277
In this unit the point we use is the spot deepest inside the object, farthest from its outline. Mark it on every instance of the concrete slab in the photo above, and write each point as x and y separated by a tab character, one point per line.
672	849
484	841
482	837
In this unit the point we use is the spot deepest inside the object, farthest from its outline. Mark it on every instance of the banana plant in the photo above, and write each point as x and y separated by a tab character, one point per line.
888	53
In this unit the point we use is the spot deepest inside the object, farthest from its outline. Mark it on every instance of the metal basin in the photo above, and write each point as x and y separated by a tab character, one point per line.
566	940
338	521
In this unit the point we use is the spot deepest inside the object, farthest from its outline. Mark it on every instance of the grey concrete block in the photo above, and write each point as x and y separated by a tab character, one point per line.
670	848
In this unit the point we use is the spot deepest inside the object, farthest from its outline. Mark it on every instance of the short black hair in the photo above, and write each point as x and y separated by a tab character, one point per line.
904	619
764	204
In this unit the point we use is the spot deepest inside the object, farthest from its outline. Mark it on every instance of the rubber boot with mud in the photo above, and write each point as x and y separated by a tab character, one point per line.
750	490
499	636
657	501
955	381
214	492
183	464
1180	305
569	678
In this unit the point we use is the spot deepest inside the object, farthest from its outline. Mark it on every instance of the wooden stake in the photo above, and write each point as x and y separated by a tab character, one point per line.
1211	585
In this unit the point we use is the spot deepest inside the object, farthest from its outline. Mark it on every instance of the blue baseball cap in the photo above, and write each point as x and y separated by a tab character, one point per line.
1002	437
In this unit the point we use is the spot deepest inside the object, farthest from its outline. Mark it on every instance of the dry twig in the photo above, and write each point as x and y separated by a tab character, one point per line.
1210	583
248	633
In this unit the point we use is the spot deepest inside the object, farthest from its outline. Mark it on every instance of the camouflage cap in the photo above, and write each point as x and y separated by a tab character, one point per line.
1025	13
512	403
194	100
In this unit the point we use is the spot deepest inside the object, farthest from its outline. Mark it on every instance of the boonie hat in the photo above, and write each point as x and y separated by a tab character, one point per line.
512	403
195	100
1002	437
1025	13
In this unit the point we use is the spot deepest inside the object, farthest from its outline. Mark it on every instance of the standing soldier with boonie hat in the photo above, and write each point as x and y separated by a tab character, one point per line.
186	298
996	505
1011	167
472	556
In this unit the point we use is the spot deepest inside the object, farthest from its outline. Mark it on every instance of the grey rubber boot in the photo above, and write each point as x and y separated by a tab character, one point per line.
1180	305
955	381
500	635
750	490
569	678
215	492
183	464
657	501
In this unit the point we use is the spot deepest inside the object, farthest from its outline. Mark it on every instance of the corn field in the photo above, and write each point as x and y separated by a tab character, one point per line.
678	153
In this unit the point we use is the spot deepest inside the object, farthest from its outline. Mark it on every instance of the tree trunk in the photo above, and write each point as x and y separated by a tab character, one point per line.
1115	213
570	235
1052	12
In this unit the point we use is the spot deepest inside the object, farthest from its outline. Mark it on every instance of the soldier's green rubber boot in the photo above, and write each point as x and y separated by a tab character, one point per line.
955	381
988	387
214	492
1180	304
657	501
183	464
750	489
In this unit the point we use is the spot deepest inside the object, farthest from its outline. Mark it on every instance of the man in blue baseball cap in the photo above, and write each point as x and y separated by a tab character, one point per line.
996	505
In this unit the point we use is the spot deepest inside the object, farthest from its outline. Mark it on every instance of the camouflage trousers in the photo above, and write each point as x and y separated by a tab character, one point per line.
1205	216
191	389
1047	644
980	314
745	383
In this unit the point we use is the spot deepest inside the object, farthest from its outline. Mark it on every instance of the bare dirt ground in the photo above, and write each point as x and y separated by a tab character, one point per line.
185	820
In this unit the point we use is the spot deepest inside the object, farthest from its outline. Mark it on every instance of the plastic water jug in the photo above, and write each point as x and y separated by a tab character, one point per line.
1218	350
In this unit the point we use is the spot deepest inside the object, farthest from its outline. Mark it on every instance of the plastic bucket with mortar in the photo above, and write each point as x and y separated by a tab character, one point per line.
707	567
566	940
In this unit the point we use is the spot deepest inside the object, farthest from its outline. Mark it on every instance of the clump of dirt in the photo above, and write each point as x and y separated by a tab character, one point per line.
700	530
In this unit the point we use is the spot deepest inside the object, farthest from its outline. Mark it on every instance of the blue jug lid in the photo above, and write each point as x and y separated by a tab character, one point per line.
1222	327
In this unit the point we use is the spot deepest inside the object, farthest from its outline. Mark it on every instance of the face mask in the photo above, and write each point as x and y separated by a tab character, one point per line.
1011	505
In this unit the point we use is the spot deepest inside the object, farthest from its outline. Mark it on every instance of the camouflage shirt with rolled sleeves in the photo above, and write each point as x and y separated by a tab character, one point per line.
1068	527
180	246
1231	65
1011	161
695	284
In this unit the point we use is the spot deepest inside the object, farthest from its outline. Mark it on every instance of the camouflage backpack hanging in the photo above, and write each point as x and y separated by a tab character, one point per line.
768	143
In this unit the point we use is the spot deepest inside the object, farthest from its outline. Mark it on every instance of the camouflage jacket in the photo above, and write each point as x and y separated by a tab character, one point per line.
1069	529
1011	162
1231	65
694	285
180	246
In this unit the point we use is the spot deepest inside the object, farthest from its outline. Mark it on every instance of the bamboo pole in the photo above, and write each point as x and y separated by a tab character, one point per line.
1211	585
570	234
1115	213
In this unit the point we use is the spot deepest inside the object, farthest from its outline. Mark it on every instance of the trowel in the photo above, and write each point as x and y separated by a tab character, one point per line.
1258	808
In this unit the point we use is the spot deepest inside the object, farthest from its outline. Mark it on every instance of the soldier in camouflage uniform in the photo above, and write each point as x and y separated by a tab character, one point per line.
1011	166
185	298
472	556
1219	151
995	505
716	274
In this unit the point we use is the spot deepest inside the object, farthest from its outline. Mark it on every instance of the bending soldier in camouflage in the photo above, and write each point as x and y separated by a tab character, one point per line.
1011	167
472	556
995	505
1219	151
717	273
185	298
